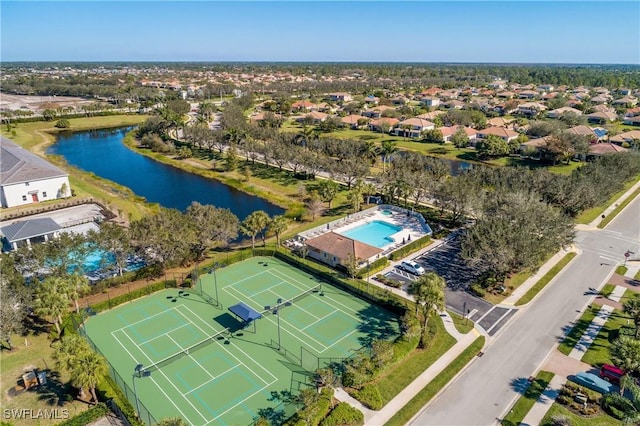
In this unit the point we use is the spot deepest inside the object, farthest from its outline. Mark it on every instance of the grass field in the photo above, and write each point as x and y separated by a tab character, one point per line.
546	279
225	370
524	404
591	214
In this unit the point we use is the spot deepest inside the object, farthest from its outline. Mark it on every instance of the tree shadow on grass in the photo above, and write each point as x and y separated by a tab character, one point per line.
376	324
55	392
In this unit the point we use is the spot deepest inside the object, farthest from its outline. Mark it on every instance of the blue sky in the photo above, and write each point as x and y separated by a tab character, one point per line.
419	31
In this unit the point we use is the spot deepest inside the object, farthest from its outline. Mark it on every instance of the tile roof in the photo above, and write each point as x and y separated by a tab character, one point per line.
341	246
18	165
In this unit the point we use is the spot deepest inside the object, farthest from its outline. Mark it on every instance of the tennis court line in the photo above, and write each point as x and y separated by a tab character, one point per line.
285	328
346	308
152	379
163	334
169	380
212	379
243	352
318	320
235	405
192	358
147	318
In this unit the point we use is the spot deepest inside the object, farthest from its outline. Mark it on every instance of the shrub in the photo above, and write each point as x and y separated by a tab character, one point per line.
560	420
411	247
373	267
123	298
616	405
388	281
344	415
369	396
63	124
477	290
87	417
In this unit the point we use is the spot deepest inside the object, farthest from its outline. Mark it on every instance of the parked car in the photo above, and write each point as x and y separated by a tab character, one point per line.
611	373
411	267
592	382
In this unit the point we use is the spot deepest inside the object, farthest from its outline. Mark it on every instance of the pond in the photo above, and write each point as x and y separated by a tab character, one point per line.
102	152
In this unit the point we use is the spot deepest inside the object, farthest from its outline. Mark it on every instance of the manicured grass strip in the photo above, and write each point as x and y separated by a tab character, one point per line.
557	410
637	277
428	392
578	329
618	209
598	352
401	375
591	214
462	325
621	270
542	282
607	290
528	399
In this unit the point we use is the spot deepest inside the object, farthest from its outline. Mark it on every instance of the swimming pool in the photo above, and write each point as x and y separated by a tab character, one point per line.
376	233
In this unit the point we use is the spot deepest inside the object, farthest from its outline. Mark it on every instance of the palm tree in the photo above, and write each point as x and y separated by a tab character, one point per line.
428	292
388	148
632	308
370	151
625	353
254	224
77	286
51	300
90	369
278	225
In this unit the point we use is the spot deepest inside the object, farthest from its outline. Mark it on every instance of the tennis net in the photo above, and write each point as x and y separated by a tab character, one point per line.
186	351
291	301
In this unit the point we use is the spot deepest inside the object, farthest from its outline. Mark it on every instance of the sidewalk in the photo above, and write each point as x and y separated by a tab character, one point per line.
591	332
533	279
379	418
542	405
615	204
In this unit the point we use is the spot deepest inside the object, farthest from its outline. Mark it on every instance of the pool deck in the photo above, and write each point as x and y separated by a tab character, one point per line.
412	225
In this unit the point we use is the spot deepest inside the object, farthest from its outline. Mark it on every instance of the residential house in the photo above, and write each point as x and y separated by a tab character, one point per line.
600	99
624	91
602	117
506	134
335	249
303	105
376	112
556	113
26	178
500	122
454	104
627	137
505	94
586	131
545	88
31	231
432	91
597	150
632	112
340	97
626	101
528	94
372	100
530	108
413	127
377	125
399	100
430	116
355	121
430	101
449	131
632	121
534	146
601	108
314	116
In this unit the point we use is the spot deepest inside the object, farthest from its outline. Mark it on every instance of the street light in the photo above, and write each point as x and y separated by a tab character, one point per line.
215	281
138	372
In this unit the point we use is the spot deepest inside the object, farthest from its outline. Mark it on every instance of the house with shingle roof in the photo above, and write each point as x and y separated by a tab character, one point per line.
413	127
26	178
501	132
28	232
335	249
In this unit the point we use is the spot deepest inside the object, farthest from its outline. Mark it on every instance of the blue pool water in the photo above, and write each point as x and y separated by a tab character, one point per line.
376	233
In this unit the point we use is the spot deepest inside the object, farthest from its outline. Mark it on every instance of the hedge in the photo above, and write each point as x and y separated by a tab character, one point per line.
373	267
127	297
87	417
369	396
411	247
344	415
112	391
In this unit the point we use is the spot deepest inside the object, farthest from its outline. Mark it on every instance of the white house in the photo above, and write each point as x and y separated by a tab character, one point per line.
26	178
413	127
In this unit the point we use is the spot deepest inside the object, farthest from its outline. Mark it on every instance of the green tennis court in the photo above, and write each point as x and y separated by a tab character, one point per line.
207	366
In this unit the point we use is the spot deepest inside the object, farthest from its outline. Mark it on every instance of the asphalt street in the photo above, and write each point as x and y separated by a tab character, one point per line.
488	386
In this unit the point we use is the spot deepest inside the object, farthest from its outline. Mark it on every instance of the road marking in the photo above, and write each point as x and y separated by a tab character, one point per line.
498	321
485	314
472	313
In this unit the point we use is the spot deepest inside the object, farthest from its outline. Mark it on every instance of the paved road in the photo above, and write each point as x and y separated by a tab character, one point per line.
487	388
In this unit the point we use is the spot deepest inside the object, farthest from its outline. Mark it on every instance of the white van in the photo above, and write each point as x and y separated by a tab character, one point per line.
412	267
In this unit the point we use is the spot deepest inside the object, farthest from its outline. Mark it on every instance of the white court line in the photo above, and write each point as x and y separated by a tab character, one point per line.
172	384
241	402
226	350
318	320
297	306
192	358
156	383
146	319
163	334
297	337
212	379
346	308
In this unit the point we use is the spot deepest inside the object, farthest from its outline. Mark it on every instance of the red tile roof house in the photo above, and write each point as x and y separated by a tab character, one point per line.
506	134
530	108
602	117
599	149
335	249
632	121
355	121
584	131
372	100
376	112
303	106
556	113
376	125
314	116
413	127
448	132
627	137
430	116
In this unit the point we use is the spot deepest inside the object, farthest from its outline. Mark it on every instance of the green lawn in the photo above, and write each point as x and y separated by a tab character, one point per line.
637	277
598	352
607	290
621	270
602	419
399	377
439	382
462	325
542	282
618	209
578	329
528	399
591	214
